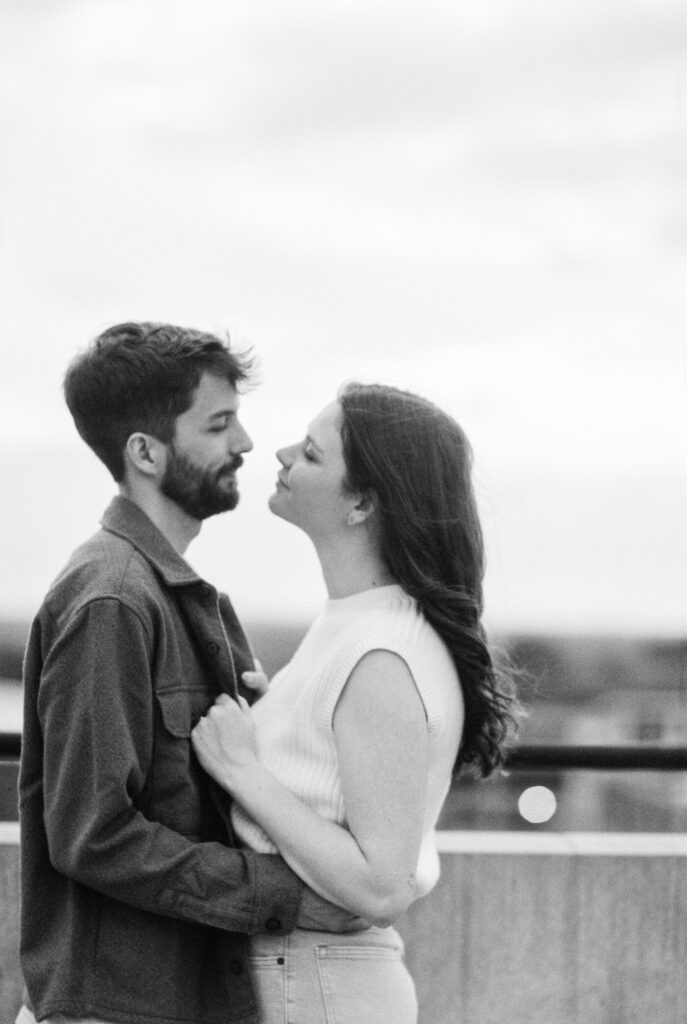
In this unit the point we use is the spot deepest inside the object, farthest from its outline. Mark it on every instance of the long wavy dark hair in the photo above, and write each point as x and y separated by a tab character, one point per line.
418	462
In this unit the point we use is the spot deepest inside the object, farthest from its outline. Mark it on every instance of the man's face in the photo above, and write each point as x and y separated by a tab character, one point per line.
205	452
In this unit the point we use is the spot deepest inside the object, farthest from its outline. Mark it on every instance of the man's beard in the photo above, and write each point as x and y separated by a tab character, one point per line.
200	493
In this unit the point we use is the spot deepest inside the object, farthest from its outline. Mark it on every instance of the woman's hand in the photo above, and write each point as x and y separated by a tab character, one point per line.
224	742
256	680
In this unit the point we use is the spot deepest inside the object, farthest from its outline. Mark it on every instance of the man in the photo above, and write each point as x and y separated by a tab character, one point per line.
132	899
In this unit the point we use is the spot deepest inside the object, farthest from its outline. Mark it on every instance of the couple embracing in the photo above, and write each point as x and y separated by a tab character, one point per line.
200	845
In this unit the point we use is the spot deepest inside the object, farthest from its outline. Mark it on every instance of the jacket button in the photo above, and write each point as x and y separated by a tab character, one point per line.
235	967
213	647
272	924
205	591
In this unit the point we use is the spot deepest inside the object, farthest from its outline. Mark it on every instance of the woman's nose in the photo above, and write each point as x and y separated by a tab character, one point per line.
285	455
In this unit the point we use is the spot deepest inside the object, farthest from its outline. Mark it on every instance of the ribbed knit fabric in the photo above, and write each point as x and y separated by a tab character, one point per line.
294	720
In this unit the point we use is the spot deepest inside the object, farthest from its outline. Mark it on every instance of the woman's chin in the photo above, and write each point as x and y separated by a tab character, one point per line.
275	503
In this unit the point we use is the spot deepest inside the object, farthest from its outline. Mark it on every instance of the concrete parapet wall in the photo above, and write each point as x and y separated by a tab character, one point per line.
543	928
539	928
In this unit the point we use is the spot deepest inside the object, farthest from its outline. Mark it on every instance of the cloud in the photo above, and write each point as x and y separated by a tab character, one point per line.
481	201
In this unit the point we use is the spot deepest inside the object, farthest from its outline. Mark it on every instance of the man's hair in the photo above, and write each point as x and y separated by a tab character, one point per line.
142	377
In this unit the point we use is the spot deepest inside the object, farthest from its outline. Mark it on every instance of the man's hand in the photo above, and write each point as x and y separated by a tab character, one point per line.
317	914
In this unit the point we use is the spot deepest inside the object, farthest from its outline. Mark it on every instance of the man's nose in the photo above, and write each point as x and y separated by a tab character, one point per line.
242	442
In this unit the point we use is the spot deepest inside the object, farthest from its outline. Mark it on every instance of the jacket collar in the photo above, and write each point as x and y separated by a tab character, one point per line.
125	519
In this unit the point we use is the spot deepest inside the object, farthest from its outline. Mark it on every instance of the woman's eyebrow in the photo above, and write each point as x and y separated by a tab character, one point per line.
310	440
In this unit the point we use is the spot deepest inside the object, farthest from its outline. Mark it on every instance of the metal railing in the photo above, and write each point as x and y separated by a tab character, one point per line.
10	746
533	757
637	757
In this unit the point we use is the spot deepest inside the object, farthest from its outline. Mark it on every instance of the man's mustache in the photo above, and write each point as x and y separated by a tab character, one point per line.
232	466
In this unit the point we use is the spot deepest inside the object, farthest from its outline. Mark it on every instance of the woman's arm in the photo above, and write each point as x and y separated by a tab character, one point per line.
380	732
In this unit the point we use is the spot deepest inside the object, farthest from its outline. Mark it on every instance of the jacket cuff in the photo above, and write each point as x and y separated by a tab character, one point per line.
278	895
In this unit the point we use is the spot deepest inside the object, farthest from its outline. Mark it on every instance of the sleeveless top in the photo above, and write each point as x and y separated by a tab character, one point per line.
294	720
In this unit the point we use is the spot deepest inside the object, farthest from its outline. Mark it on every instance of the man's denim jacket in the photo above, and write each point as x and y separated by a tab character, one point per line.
134	906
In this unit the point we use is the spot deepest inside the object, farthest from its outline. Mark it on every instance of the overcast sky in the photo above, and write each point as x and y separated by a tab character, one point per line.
483	201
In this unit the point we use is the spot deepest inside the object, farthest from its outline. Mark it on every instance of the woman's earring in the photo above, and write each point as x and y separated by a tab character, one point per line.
351	519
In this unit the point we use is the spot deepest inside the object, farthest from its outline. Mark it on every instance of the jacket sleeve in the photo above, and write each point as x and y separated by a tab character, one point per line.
96	714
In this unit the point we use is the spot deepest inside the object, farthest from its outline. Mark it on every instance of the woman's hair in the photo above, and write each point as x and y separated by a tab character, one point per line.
417	461
142	376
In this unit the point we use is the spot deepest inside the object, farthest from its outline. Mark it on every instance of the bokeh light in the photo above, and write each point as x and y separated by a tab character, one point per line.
537	804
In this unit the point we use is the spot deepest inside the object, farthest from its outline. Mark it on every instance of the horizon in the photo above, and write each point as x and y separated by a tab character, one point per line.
554	572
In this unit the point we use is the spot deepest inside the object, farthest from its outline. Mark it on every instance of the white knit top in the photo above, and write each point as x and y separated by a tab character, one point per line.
294	720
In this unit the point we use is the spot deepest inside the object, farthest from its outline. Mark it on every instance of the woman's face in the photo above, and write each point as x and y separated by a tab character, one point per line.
310	486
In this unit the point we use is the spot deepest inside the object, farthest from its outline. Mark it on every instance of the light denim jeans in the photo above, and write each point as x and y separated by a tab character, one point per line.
323	978
26	1017
320	978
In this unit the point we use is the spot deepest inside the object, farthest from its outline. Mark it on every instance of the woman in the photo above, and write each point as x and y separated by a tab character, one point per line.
342	767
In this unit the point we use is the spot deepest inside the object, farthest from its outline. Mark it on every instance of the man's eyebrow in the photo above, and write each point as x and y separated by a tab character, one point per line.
222	414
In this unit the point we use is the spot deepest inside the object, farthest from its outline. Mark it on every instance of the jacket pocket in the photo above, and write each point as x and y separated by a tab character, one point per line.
180	791
181	708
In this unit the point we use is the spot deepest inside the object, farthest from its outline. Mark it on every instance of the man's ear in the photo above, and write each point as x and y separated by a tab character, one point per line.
146	454
363	509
